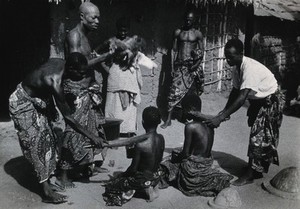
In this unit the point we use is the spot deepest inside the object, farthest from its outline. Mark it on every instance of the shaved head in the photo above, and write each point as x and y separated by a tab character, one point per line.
87	7
89	15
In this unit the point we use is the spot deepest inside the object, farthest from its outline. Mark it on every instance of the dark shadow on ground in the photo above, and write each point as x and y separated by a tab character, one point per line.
21	170
292	111
4	116
232	164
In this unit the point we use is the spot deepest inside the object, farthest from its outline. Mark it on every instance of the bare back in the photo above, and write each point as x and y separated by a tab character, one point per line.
150	153
199	139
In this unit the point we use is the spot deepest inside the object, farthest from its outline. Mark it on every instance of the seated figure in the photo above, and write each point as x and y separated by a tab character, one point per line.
143	174
190	169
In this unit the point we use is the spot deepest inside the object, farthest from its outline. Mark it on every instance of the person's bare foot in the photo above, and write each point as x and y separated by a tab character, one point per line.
65	183
166	124
100	170
52	197
242	181
247	178
152	193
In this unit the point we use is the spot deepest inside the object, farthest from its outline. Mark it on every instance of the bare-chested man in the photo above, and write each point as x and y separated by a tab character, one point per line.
186	56
77	39
190	168
143	172
32	108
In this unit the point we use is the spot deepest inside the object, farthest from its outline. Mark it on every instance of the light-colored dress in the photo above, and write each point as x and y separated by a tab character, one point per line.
124	92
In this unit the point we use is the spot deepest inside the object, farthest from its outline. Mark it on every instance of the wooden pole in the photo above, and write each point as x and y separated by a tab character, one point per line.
219	55
223	41
205	37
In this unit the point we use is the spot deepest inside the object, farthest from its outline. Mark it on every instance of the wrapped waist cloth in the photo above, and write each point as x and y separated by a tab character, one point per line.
116	189
195	176
84	99
31	117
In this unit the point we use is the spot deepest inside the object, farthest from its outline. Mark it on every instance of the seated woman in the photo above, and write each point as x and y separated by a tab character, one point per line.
190	168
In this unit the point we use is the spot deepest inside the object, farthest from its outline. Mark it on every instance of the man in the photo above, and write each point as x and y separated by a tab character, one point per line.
83	97
77	41
32	109
77	38
142	174
190	168
254	81
186	56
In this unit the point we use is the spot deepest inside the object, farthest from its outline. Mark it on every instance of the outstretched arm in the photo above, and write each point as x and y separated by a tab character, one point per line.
74	45
127	141
66	112
230	108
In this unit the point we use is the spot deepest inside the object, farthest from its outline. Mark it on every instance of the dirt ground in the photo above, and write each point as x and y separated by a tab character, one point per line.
18	188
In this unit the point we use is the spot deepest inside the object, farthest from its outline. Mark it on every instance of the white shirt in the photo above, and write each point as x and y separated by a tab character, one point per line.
255	76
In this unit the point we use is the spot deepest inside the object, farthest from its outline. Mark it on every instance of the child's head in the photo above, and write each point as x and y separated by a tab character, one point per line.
151	117
76	66
190	102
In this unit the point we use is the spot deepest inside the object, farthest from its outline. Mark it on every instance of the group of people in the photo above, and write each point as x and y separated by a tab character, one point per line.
69	86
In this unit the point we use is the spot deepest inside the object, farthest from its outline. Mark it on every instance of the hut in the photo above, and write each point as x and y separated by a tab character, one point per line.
35	30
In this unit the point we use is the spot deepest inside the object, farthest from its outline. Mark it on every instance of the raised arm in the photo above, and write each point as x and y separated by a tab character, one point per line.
74	44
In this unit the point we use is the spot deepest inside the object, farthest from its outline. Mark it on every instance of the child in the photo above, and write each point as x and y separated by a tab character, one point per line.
190	169
142	174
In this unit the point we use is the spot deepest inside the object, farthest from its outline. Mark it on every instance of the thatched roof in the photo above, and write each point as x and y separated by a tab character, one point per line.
283	9
200	3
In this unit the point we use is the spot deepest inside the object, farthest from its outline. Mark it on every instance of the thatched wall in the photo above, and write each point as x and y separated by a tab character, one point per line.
30	30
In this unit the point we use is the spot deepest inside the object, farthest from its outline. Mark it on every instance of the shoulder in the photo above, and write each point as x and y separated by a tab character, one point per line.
198	33
194	126
177	32
249	63
161	138
73	35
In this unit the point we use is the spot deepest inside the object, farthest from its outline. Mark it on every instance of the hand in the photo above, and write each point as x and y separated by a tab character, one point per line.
194	68
98	142
214	122
172	74
225	119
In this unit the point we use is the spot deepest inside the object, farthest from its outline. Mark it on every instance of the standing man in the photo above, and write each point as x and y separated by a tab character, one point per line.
77	41
186	56
254	81
32	109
